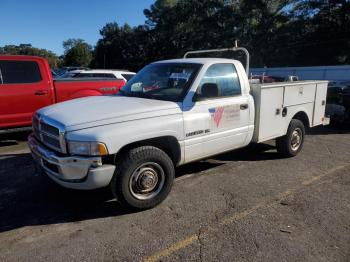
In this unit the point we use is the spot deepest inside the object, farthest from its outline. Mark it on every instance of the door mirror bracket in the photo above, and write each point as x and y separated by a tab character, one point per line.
208	90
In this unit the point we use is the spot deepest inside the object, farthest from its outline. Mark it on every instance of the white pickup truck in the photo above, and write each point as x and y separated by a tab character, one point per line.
171	113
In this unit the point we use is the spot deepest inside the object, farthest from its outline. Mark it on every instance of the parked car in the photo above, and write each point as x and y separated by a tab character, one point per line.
338	101
67	69
26	84
171	113
272	79
70	74
116	74
54	74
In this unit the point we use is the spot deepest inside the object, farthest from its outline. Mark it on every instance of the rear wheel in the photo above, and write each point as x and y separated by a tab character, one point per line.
143	177
291	144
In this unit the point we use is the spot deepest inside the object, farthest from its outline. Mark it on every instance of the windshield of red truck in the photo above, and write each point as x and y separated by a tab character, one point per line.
162	81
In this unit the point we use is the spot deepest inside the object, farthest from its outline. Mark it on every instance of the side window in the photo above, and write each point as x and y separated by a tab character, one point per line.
225	77
82	75
108	76
19	72
98	75
127	76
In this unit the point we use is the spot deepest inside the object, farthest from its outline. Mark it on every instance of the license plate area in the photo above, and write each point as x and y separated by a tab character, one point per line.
50	166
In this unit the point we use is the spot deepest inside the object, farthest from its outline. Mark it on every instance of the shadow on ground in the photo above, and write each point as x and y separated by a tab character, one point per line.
12	139
253	152
27	198
331	129
30	198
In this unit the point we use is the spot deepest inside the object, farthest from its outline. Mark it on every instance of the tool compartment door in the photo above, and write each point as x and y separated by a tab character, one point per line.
320	103
299	94
270	120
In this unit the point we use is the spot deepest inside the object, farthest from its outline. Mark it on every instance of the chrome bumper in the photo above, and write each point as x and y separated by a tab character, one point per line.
71	171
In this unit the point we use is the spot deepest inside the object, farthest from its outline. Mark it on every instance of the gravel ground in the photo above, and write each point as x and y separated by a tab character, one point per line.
246	205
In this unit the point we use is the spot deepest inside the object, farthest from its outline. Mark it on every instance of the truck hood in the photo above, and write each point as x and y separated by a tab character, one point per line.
103	110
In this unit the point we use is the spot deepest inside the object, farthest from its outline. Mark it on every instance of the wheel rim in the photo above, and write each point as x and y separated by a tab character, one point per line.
147	181
296	139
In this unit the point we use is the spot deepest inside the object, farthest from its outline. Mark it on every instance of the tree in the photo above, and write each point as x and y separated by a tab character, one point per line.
276	32
179	26
122	47
77	53
28	49
322	32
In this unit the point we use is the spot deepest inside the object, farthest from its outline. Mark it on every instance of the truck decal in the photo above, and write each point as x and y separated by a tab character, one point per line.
222	116
198	132
216	114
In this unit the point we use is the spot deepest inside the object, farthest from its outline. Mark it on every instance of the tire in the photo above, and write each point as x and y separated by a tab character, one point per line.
143	177
291	144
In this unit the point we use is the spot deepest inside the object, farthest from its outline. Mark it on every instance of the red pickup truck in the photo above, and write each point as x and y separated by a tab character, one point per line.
26	84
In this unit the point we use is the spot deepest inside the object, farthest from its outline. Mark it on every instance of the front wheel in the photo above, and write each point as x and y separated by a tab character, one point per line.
143	177
291	144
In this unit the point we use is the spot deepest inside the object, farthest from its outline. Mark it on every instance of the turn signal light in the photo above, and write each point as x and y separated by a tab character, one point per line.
102	149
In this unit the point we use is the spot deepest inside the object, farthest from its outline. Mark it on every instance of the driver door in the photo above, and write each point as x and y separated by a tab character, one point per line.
218	120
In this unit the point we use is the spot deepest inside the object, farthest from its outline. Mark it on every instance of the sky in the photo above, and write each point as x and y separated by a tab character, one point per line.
47	23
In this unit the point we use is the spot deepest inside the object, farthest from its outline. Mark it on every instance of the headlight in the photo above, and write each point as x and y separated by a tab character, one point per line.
87	148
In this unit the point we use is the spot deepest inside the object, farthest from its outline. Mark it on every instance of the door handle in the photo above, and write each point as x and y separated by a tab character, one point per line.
243	106
40	92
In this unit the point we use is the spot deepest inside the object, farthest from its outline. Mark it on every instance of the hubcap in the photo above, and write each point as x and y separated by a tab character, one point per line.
147	181
297	137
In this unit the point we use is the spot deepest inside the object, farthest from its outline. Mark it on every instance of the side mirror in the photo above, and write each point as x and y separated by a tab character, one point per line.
208	90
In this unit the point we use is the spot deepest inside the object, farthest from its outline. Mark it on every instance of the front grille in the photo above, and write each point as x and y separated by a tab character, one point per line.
48	140
48	134
50	129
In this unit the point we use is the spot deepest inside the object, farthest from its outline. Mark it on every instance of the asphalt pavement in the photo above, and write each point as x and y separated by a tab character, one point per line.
245	205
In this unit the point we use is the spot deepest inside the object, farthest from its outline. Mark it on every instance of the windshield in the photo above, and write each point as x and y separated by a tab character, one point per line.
163	81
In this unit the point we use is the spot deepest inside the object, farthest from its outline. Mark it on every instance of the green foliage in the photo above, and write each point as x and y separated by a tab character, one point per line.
27	49
77	53
322	31
122	47
277	33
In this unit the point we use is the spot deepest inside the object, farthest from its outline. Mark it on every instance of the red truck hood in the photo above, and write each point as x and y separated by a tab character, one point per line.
102	110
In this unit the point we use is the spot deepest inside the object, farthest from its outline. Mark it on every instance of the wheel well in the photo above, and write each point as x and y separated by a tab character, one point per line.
302	116
168	144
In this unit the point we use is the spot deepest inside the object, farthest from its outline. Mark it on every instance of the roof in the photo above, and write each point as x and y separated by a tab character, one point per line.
197	60
20	57
108	71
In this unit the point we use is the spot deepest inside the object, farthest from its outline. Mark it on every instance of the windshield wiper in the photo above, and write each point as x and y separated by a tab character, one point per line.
123	93
142	95
135	94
